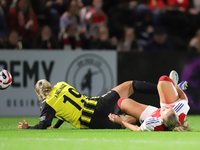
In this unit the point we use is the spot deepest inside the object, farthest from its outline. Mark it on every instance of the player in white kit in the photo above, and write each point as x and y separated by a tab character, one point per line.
171	115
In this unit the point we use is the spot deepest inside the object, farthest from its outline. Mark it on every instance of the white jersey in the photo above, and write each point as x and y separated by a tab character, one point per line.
154	122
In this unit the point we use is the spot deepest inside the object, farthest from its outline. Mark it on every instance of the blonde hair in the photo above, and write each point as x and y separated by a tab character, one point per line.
171	122
183	127
43	88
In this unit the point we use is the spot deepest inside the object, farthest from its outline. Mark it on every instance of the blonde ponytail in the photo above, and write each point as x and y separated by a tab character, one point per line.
183	127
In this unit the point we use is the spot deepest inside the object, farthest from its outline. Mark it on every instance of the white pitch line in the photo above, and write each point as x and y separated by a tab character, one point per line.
103	140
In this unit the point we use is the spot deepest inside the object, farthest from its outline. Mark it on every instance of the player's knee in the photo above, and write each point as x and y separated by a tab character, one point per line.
165	78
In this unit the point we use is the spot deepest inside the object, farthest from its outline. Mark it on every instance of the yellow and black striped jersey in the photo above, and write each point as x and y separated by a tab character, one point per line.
70	105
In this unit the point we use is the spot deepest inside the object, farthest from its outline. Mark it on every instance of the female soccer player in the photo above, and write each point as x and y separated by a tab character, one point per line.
65	103
171	115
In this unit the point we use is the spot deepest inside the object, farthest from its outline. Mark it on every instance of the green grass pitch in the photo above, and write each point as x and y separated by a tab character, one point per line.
69	138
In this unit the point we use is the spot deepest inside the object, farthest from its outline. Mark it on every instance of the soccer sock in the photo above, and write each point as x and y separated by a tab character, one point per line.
144	87
166	78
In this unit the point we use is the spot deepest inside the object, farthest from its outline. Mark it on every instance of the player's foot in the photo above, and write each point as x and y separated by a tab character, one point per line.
174	76
183	85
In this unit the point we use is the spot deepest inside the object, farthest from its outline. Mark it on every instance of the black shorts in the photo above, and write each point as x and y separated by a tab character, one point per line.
106	104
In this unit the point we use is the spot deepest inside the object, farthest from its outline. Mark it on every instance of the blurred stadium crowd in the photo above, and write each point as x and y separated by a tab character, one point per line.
120	25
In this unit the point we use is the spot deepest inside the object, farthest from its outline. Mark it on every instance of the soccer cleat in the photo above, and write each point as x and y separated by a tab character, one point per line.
174	76
183	85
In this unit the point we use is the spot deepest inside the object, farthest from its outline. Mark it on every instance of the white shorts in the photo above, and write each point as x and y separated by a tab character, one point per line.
147	112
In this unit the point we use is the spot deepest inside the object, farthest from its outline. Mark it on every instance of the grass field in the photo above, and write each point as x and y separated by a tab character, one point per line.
69	138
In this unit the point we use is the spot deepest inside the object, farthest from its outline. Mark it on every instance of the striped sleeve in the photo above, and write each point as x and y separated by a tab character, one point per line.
181	107
150	123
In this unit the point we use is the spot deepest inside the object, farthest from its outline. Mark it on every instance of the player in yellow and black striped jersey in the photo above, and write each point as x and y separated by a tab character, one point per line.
65	103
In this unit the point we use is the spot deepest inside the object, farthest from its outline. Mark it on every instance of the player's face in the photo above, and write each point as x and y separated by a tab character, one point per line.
165	111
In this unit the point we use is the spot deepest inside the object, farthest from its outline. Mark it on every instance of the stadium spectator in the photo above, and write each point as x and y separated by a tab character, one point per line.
71	16
82	14
91	18
13	41
102	41
95	17
45	39
195	4
41	11
155	4
84	25
12	4
6	5
54	9
181	4
160	42
178	26
156	7
145	28
130	43
84	38
133	4
194	45
23	20
120	17
70	39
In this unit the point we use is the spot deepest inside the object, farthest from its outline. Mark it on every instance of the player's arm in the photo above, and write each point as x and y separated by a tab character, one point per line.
46	117
58	124
119	120
128	118
131	126
182	95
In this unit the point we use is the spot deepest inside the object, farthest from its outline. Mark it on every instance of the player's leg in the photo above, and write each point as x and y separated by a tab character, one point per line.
129	87
102	122
107	103
167	91
131	107
125	89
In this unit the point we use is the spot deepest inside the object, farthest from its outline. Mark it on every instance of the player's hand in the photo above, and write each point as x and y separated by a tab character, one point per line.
23	125
115	118
49	127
